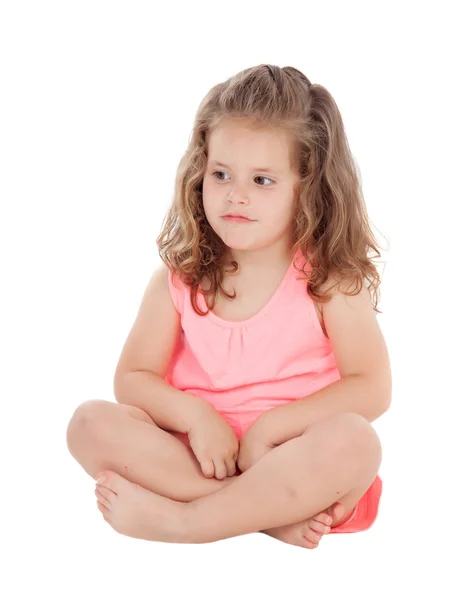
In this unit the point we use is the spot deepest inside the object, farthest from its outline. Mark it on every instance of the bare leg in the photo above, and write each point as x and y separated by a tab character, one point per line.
106	435
292	482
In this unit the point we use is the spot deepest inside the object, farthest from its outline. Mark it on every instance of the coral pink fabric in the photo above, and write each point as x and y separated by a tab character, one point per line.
245	368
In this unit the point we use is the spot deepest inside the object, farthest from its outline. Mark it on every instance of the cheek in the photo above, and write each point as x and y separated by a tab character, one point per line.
280	217
207	204
206	194
278	210
211	203
210	210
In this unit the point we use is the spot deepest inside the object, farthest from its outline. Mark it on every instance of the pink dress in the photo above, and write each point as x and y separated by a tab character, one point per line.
245	368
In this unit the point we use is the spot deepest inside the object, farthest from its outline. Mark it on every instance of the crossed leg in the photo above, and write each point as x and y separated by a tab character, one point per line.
342	452
336	459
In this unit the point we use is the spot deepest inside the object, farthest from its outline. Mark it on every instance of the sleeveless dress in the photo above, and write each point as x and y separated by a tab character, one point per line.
244	368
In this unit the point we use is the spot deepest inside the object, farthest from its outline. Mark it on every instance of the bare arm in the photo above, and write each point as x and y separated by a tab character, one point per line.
139	377
354	393
364	365
170	408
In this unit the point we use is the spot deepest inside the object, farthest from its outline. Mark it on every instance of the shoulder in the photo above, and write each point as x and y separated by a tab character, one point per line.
170	285
163	274
353	329
166	281
160	275
339	292
345	288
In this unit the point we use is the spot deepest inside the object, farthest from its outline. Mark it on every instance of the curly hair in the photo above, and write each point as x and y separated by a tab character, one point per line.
331	227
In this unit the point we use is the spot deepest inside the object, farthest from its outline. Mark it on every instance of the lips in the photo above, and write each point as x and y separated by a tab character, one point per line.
236	218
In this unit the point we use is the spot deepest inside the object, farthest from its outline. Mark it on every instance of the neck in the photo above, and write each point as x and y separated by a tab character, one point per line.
261	259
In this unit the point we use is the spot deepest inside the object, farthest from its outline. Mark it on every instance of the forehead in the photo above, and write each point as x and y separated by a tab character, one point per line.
231	142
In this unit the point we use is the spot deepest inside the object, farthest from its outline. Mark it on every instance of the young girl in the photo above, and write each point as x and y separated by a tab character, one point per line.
246	387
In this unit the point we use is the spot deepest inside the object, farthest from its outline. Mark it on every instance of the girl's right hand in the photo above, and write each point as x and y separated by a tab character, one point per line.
214	444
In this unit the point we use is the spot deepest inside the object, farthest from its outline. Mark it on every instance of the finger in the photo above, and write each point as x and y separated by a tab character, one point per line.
208	468
231	467
220	469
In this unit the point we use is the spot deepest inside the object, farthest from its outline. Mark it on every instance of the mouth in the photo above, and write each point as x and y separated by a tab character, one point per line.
237	219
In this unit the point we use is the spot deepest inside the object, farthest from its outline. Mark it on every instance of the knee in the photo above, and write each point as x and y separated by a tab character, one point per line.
354	441
361	440
86	420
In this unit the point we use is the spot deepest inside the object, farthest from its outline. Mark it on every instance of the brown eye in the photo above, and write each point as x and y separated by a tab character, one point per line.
263	177
258	177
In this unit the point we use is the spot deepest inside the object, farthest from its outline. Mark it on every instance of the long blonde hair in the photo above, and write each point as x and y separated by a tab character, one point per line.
331	226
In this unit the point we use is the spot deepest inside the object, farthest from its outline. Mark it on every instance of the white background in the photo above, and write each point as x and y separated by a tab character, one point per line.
96	107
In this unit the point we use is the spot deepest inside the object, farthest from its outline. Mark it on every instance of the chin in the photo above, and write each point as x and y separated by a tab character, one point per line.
238	242
243	246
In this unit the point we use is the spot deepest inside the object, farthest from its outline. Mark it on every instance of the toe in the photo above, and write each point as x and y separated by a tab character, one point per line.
312	536
319	527
322	518
101	474
103	497
105	512
111	480
337	511
309	542
103	509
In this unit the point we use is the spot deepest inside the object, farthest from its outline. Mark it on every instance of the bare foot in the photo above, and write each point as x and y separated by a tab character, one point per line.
137	512
308	533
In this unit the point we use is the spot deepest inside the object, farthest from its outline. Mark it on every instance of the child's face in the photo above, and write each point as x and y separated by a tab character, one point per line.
268	198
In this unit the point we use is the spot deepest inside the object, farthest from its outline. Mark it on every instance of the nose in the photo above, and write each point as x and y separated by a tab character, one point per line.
236	196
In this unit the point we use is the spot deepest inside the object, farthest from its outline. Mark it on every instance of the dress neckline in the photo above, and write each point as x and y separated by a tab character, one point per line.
261	313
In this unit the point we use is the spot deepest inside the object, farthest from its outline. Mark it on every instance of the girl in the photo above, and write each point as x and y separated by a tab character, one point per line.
246	387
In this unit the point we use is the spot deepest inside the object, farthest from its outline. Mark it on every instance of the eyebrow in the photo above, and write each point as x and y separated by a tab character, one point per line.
260	169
